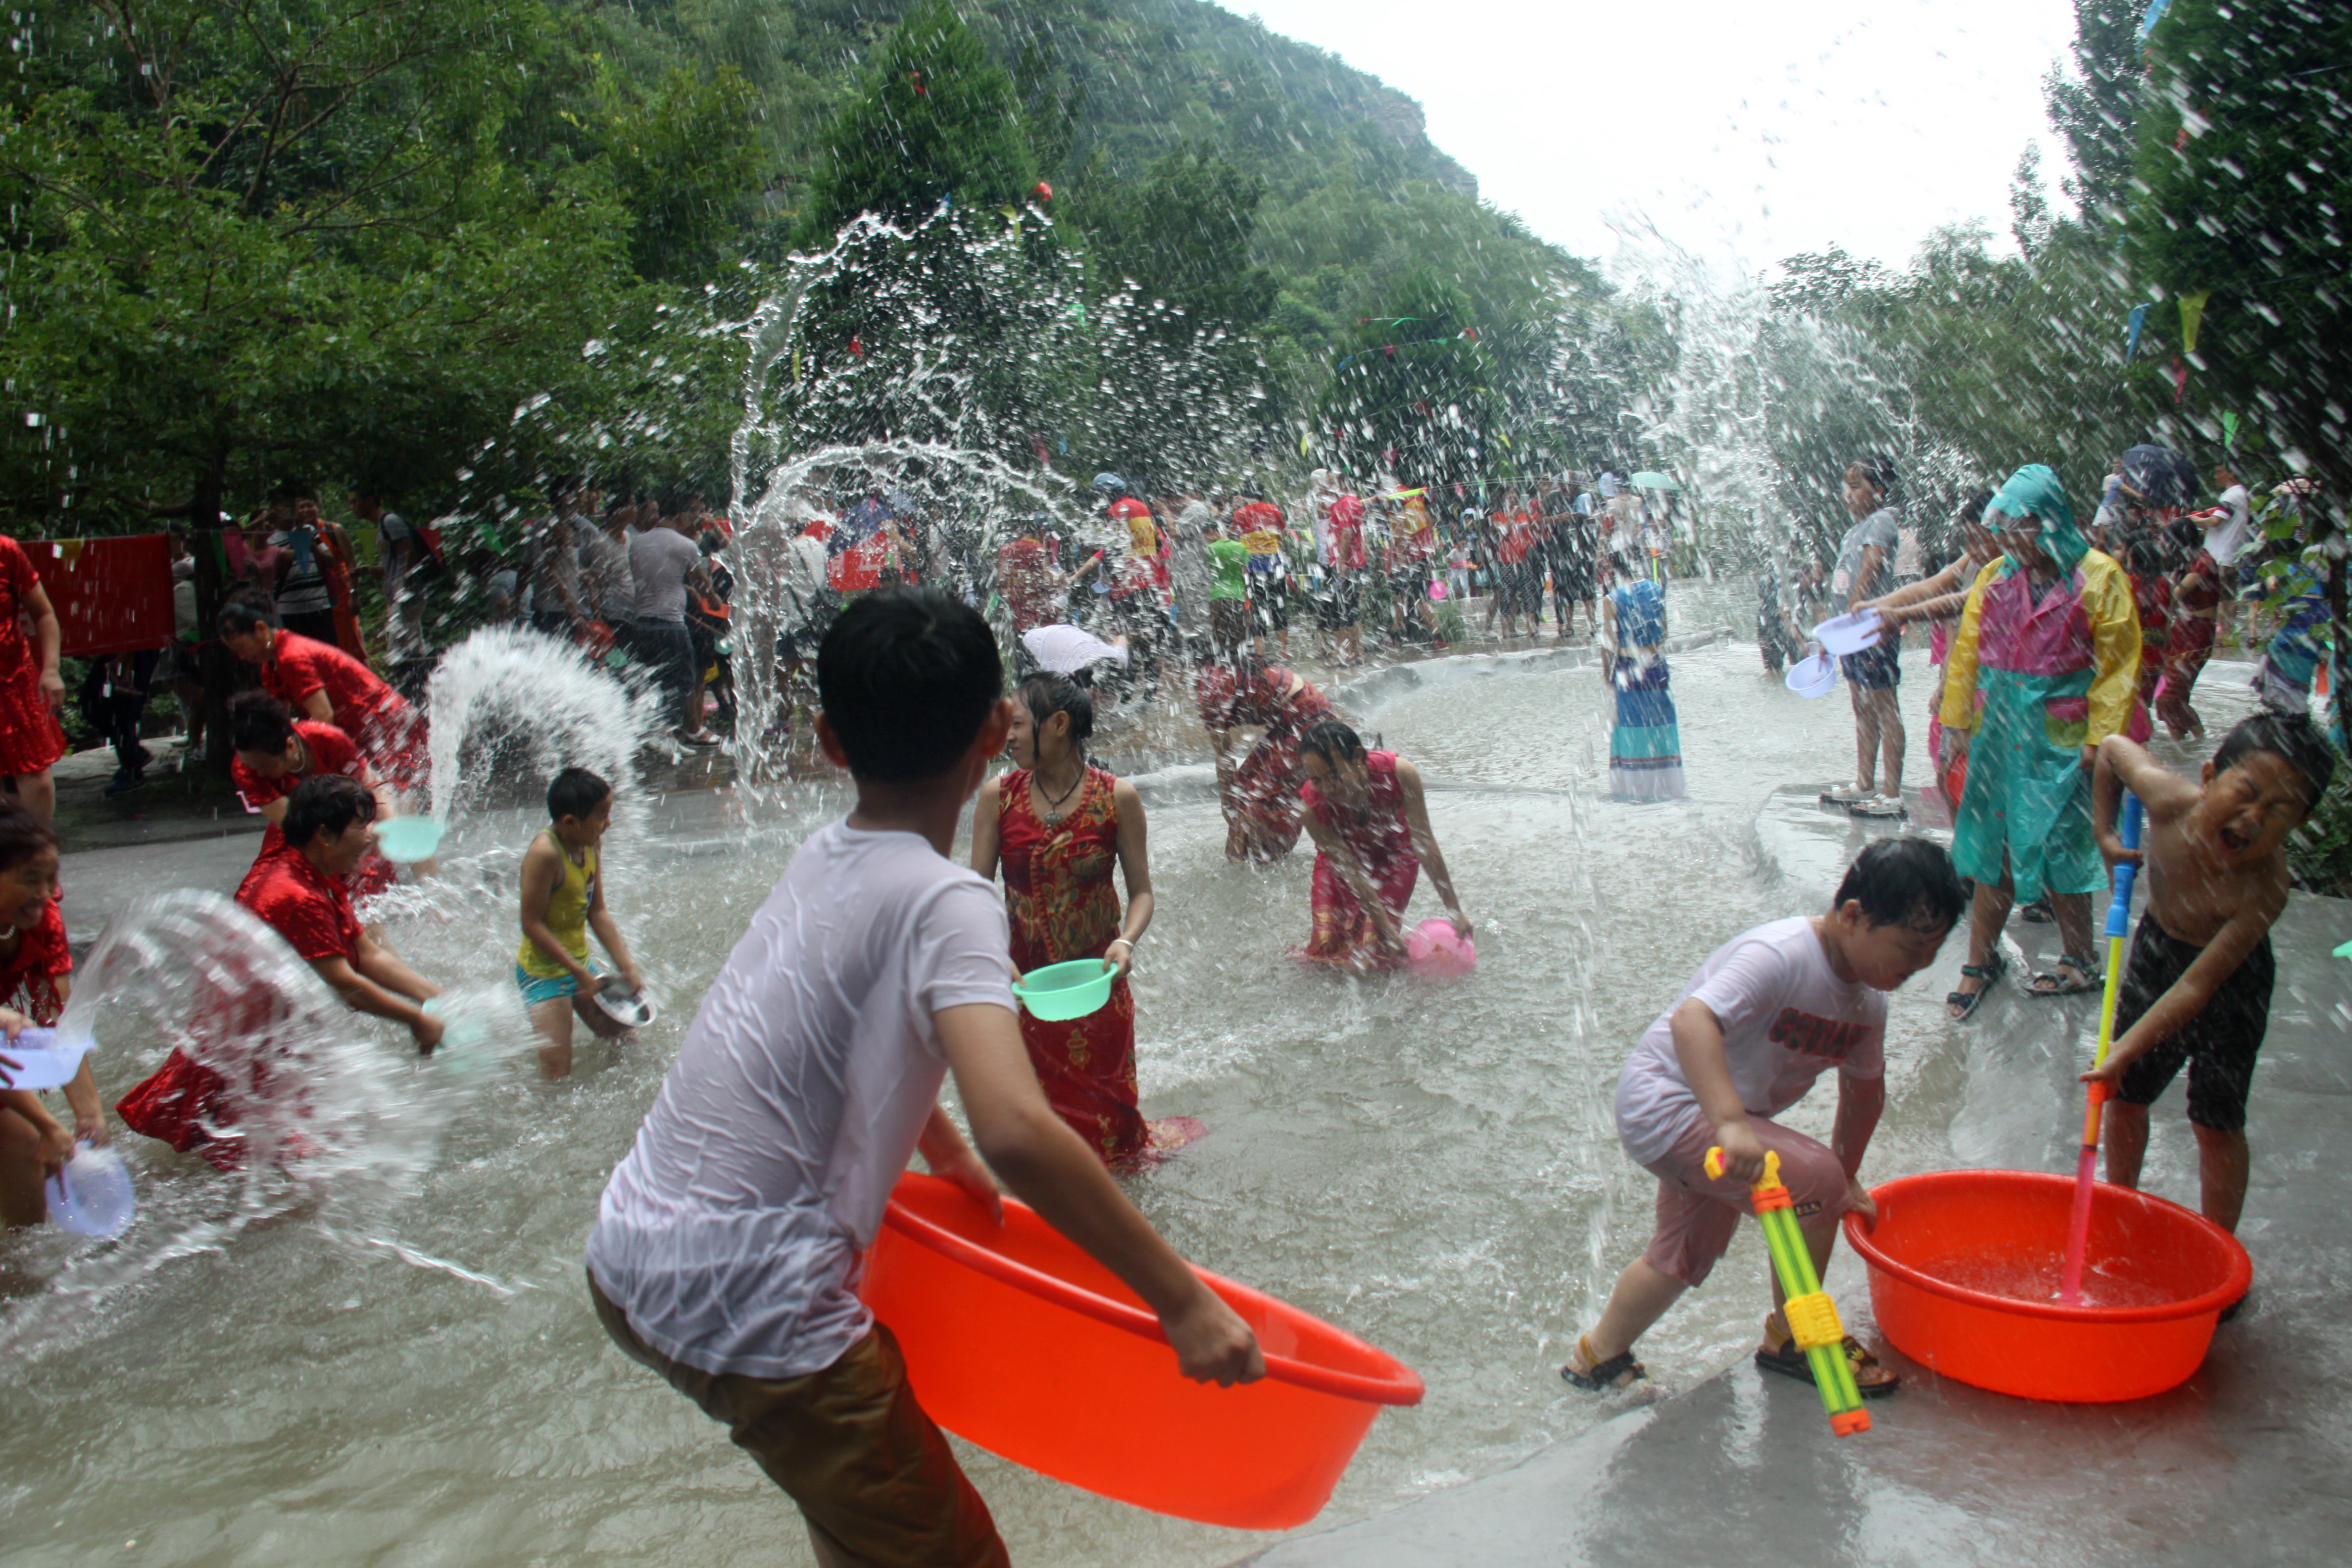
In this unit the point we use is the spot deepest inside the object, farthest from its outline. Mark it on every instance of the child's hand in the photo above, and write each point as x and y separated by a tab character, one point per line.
56	1147
8	1065
1125	960
1743	1152
1859	1200
428	1031
1211	1342
2112	850
11	1023
1954	746
630	978
966	1171
1461	924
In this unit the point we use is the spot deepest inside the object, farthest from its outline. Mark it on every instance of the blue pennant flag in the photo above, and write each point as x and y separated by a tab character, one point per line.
2131	332
2155	14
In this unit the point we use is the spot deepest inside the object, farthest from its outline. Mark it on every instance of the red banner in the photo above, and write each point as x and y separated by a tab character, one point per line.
111	595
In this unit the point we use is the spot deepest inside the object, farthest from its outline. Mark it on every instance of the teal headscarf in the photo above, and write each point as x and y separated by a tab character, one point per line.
2035	488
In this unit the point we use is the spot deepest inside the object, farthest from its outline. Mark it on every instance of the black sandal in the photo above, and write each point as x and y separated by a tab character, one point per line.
1619	1371
2050	983
1968	1001
1790	1362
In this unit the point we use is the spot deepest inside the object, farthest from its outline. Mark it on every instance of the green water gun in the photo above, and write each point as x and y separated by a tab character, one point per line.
1812	1316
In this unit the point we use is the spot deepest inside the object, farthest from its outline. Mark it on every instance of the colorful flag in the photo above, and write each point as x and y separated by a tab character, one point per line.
2192	316
2131	332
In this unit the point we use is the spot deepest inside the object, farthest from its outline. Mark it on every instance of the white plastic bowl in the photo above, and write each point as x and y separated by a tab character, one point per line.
42	1059
92	1197
1850	633
1812	677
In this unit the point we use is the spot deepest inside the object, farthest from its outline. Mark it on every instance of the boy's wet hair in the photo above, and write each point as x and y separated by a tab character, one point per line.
906	678
326	803
2292	739
1904	881
1332	741
22	834
258	723
574	792
245	614
1048	694
1877	470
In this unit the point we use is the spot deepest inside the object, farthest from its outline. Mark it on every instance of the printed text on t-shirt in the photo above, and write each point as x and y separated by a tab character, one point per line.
1811	1037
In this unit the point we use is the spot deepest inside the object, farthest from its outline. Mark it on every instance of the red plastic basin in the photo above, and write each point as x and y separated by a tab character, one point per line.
1019	1341
1964	1271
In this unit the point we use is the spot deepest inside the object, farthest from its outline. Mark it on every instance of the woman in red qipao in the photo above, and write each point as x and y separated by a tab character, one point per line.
1370	821
1260	795
36	978
1057	826
274	753
31	690
322	683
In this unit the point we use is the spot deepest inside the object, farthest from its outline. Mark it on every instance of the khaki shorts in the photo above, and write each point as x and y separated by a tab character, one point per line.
873	1477
1699	1214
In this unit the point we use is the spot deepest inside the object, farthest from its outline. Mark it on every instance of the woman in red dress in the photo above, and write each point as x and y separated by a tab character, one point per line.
2197	600
322	683
36	978
1370	821
1057	826
31	690
1260	796
275	751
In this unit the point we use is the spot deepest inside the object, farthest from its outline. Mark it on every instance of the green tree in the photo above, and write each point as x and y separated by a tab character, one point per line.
2096	111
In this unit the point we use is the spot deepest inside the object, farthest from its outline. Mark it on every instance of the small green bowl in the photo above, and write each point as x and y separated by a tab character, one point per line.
1064	991
406	839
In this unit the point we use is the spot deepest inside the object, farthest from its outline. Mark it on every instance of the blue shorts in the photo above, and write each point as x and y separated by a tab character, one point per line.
1877	668
541	988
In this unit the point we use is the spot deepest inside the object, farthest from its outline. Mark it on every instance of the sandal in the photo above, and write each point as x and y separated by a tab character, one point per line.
2036	913
1963	1004
2052	981
1619	1371
1872	1378
1881	806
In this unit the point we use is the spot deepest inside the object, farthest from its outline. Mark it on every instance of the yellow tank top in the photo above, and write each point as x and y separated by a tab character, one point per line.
567	913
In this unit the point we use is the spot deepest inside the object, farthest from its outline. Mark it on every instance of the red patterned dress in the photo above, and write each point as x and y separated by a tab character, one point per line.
328	750
390	731
1267	784
30	739
1059	895
1345	933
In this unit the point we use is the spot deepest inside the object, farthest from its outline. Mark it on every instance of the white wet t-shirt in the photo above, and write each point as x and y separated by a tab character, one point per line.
1787	1019
732	1234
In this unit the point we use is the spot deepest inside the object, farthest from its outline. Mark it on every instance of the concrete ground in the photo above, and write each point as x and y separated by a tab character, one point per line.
2244	1464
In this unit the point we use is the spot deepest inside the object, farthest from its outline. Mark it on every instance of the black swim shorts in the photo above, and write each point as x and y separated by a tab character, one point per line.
2218	1045
1877	668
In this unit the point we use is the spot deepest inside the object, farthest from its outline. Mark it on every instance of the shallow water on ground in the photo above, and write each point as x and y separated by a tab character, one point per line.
1432	1168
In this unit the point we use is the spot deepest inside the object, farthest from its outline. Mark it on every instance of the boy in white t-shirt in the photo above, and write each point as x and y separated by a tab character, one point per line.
728	1245
1769	1012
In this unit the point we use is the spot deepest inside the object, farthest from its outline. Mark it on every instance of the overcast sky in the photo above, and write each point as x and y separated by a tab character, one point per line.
1747	129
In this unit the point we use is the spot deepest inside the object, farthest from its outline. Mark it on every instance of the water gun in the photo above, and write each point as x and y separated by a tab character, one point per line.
1812	1315
2078	1226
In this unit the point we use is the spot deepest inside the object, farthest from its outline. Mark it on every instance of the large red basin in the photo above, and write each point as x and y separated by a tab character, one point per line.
1019	1341
1964	1279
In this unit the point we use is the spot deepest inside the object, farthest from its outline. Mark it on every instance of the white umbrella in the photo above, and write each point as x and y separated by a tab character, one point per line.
1067	650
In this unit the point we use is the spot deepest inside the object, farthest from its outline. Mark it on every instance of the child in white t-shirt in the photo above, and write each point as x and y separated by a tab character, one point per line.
727	1244
1767	1013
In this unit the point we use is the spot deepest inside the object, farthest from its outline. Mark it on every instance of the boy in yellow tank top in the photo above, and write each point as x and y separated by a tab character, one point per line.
562	897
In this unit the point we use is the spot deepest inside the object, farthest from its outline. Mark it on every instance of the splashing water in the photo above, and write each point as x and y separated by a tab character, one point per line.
328	1120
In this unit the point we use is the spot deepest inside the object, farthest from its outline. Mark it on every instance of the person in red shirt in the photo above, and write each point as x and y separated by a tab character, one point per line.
297	890
328	685
32	693
275	751
1518	585
35	979
1347	567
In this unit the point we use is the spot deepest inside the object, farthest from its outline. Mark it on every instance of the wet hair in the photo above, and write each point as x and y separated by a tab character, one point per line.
1048	694
245	613
326	803
1876	468
906	678
1331	741
574	792
22	834
258	723
1904	881
2292	739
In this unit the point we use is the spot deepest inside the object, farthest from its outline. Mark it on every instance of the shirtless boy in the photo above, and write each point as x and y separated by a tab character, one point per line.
2199	989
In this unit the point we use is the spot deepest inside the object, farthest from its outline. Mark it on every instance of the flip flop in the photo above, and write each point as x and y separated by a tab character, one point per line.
1789	1362
1968	1001
2049	982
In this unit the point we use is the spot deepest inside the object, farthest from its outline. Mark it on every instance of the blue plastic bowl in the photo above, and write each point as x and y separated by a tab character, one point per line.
1064	991
409	838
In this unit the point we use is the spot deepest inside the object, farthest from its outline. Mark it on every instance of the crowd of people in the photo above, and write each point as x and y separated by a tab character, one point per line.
725	1251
